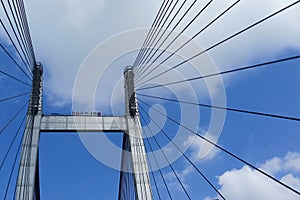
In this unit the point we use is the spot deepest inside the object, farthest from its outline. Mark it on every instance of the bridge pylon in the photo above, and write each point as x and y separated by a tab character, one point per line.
28	177
28	185
133	143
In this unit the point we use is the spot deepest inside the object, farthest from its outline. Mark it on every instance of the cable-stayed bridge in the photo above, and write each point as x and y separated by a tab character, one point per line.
141	177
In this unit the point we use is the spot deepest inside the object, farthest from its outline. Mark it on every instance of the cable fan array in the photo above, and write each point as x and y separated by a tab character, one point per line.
158	43
17	62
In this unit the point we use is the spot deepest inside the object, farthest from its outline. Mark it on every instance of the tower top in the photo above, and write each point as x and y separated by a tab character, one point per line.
128	68
130	100
35	104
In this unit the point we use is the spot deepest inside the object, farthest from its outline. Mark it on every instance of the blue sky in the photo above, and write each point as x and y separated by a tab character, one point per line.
69	171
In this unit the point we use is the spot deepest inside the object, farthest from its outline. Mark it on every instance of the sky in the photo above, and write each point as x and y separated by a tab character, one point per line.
96	41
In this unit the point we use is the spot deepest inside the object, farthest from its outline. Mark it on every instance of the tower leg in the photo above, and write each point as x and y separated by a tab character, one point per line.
139	160
27	187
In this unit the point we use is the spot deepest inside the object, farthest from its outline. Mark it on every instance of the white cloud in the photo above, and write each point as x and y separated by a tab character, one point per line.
265	41
272	166
182	175
291	162
67	30
202	150
292	181
84	13
248	184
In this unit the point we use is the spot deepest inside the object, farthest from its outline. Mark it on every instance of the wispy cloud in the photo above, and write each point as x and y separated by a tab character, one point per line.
182	176
68	30
201	150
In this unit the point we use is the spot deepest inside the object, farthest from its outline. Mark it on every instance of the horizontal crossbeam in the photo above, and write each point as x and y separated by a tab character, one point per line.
70	123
